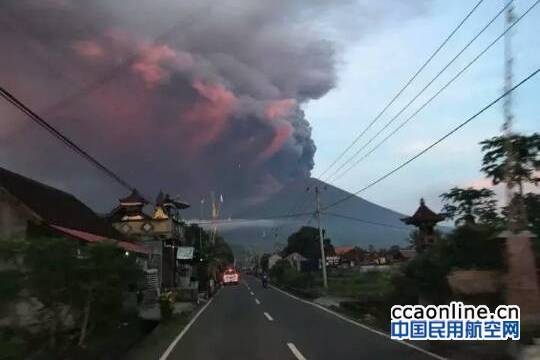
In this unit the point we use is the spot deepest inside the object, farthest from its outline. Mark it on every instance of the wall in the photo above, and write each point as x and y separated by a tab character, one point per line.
13	217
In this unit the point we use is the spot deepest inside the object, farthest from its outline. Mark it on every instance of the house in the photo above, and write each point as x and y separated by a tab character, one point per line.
296	260
273	259
31	208
350	256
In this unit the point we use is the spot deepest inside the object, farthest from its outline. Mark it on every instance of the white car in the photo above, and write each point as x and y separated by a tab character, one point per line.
231	276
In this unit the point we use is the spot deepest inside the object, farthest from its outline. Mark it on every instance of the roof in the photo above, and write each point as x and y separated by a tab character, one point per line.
342	250
93	238
423	215
52	205
134	198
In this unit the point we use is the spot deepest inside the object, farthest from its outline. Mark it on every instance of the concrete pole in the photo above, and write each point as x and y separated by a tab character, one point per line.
321	239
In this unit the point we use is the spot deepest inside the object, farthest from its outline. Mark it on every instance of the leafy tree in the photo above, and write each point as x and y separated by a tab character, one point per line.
106	274
53	277
264	262
86	282
306	242
521	166
469	205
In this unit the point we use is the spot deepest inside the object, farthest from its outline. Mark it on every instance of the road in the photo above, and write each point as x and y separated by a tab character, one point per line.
249	322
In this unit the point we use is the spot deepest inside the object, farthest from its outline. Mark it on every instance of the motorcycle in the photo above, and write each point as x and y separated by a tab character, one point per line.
265	282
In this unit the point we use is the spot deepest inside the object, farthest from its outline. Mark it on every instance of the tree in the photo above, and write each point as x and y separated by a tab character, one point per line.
264	262
306	242
106	274
519	155
86	282
53	277
469	205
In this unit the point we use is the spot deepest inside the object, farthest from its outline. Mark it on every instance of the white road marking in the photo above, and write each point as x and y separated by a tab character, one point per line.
257	301
184	331
267	316
296	352
252	293
365	327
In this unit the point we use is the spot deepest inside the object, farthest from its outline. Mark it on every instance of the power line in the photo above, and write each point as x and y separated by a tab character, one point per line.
403	88
413	115
402	165
336	173
366	221
64	139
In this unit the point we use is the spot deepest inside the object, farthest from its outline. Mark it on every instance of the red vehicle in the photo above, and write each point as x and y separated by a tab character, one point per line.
231	276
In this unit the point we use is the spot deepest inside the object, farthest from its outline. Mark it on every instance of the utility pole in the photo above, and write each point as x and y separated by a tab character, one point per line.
521	279
200	232
321	239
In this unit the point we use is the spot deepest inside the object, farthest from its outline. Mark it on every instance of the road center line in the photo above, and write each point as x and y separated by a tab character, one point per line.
268	316
296	352
257	301
252	293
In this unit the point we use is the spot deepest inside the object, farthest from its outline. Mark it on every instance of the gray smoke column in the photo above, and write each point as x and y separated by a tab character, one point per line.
202	96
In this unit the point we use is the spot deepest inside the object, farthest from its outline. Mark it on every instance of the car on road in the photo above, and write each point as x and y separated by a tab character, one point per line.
231	277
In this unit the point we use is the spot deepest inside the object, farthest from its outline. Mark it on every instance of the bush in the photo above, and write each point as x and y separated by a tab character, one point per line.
284	274
467	247
166	304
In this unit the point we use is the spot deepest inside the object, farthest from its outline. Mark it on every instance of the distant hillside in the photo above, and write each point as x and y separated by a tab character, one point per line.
260	235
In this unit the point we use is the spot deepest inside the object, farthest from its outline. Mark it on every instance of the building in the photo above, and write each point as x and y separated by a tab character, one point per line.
296	260
31	208
425	220
162	232
273	259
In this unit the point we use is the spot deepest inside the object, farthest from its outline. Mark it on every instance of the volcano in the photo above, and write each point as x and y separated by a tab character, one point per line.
357	222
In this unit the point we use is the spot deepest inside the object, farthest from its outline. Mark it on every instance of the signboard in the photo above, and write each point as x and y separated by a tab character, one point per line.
185	253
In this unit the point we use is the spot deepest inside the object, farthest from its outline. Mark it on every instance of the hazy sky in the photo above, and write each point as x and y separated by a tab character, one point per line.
376	67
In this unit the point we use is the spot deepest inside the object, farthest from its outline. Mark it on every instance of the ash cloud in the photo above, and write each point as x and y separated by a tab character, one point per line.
194	97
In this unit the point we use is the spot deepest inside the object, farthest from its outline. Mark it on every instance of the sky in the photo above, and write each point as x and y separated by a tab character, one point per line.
374	69
244	97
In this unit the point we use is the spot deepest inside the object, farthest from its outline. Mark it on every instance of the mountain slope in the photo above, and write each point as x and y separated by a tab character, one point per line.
262	234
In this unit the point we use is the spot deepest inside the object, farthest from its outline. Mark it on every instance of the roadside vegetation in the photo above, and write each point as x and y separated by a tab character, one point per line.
74	296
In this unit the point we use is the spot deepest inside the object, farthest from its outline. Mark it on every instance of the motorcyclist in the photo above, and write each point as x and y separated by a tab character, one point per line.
264	279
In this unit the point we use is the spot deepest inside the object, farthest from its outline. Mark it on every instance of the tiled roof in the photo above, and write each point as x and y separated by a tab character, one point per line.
52	205
93	238
342	250
422	215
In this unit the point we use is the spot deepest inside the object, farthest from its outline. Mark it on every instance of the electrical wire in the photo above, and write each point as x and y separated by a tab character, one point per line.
403	88
64	139
336	174
426	149
413	115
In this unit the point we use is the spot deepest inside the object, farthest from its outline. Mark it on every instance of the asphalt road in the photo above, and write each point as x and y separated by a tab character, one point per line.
250	322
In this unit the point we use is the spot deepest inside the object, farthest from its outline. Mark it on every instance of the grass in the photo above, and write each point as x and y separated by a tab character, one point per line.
153	345
367	285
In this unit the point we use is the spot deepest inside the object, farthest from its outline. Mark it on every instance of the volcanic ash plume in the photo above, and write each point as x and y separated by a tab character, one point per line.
185	96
